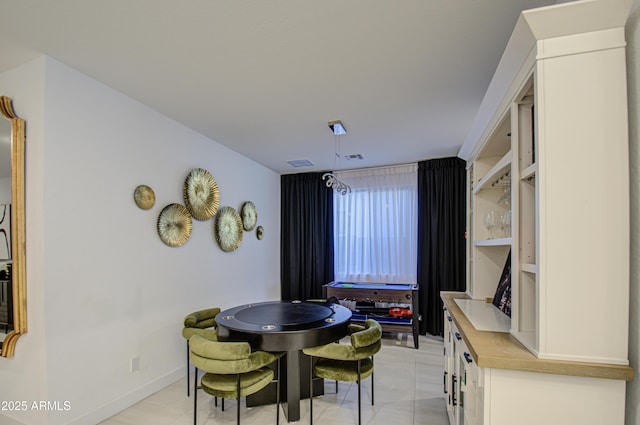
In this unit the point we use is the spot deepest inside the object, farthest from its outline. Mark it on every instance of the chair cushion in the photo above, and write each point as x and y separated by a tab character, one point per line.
340	370
202	318
220	385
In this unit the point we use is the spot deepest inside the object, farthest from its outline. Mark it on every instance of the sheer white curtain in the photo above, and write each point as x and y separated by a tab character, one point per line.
376	225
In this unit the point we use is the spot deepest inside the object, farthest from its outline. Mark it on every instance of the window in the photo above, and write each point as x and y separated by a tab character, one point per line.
375	226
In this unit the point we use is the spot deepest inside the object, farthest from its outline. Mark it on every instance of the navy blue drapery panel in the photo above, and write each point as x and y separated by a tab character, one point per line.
306	236
441	236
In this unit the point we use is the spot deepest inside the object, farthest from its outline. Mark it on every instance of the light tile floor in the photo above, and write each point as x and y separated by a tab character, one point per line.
408	390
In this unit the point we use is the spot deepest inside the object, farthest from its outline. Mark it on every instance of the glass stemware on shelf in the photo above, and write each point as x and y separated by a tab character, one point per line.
505	217
505	224
492	222
498	220
505	199
498	224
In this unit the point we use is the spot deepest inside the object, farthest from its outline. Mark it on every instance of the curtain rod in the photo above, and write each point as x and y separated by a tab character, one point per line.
376	168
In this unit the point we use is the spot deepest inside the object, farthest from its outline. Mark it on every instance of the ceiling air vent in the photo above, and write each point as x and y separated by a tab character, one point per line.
297	163
353	156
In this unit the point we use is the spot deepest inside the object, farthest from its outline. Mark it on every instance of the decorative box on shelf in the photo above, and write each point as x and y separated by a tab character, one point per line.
393	305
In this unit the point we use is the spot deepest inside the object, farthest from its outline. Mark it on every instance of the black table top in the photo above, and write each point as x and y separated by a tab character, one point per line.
284	325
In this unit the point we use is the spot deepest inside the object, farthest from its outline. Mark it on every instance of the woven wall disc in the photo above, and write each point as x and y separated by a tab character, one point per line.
174	225
228	229
201	194
144	197
249	216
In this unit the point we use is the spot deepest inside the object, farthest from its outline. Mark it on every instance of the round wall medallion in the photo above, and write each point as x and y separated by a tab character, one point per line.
201	194
144	197
260	232
249	216
174	225
228	229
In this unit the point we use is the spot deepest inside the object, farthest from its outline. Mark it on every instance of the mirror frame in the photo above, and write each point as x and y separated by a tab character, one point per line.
18	234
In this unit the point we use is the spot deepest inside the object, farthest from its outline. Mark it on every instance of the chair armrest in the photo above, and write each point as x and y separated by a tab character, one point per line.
202	318
210	334
368	336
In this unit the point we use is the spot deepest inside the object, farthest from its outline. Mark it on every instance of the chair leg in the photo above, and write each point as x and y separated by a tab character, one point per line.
188	386
310	390
278	395
372	371
195	396
238	400
359	408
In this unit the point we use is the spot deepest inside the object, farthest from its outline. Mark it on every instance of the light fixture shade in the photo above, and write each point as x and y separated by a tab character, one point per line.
337	127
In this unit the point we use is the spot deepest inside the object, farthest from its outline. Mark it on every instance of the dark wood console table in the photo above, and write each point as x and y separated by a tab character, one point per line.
373	301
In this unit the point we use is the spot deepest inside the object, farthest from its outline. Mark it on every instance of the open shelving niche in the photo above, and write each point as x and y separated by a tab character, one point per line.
490	181
524	278
506	164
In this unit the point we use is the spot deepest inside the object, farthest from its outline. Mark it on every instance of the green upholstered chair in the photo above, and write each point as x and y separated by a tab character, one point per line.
351	362
203	323
232	370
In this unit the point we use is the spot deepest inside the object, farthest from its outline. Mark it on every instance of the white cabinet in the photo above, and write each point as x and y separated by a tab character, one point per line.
548	182
491	379
448	375
548	154
462	395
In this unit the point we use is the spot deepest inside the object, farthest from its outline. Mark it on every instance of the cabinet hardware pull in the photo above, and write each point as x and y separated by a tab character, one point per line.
453	390
458	337
468	357
449	318
444	383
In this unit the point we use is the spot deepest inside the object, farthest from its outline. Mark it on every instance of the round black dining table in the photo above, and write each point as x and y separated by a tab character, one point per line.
286	326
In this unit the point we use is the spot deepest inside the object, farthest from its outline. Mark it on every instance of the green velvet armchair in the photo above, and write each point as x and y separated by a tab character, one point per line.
203	323
347	362
232	370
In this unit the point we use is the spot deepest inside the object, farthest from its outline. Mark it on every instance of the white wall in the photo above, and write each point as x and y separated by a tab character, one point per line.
107	288
633	69
5	190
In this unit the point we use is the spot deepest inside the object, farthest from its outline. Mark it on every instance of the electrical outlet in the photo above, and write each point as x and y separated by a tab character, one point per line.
135	364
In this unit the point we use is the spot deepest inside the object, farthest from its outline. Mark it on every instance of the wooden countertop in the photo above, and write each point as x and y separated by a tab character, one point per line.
500	350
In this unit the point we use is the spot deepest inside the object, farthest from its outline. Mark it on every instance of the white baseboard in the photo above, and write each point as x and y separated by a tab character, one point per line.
127	400
5	420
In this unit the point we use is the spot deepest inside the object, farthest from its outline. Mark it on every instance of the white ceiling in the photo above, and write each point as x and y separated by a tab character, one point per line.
264	77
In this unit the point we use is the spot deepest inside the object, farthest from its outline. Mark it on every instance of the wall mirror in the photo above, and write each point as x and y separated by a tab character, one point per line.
13	299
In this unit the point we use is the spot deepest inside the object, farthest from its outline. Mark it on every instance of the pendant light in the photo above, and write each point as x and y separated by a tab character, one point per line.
338	129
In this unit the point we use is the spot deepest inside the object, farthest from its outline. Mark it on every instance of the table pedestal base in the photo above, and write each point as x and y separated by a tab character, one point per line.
294	386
